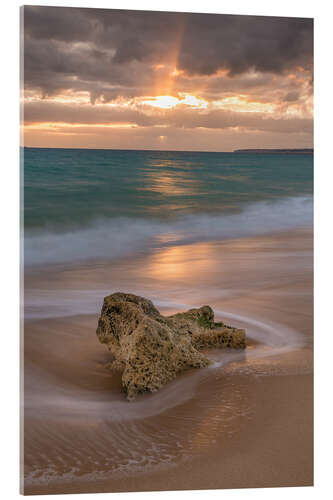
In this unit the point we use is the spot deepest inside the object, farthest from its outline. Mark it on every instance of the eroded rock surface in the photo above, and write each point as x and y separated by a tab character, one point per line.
151	349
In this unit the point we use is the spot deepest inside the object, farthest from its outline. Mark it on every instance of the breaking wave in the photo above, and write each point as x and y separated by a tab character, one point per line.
117	237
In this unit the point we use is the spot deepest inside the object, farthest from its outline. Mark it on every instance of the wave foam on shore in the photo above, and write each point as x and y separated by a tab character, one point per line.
114	238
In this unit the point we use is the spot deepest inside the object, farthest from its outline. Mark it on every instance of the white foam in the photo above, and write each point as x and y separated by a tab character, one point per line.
274	338
112	238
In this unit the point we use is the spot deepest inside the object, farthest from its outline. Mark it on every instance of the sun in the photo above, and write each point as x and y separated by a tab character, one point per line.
168	101
163	101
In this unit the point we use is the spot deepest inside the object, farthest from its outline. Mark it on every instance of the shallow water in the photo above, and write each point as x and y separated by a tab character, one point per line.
77	420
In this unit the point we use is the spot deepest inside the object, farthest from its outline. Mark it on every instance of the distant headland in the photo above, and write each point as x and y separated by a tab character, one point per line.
276	151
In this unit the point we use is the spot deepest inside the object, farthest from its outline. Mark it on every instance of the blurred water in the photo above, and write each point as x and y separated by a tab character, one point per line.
85	204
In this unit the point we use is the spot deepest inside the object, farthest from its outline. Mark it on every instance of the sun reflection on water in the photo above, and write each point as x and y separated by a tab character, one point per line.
164	178
182	262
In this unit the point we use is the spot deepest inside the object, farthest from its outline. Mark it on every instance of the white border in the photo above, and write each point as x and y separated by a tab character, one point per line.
323	230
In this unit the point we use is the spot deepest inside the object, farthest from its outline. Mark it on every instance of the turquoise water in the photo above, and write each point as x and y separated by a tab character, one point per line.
88	204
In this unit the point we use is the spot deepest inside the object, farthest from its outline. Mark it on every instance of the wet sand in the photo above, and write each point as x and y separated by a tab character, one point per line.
245	422
274	449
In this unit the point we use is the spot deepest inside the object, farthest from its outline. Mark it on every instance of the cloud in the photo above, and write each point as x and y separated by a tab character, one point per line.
56	23
84	68
291	96
173	138
70	48
180	117
240	43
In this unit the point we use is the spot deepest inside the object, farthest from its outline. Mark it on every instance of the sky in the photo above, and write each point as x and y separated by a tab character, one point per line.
96	78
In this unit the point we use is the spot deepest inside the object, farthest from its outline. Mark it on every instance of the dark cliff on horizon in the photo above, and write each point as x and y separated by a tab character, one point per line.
275	151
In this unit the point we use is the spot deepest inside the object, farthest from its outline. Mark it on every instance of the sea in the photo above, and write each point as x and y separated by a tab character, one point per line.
85	204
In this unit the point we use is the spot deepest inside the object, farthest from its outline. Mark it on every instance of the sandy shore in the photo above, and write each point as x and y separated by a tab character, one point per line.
275	449
245	423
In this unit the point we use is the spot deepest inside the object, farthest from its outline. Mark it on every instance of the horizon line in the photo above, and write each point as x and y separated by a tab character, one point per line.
173	150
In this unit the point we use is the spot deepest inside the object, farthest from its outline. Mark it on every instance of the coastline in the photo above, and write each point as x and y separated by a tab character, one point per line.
247	423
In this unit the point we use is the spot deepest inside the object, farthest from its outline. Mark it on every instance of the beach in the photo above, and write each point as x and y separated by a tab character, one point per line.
245	421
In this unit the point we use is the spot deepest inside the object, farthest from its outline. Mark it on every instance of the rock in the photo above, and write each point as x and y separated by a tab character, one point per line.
151	349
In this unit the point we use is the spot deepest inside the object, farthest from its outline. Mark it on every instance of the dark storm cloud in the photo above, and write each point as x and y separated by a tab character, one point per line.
64	24
51	66
68	48
240	43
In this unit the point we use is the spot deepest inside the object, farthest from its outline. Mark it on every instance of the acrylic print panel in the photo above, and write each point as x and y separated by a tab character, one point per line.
168	213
